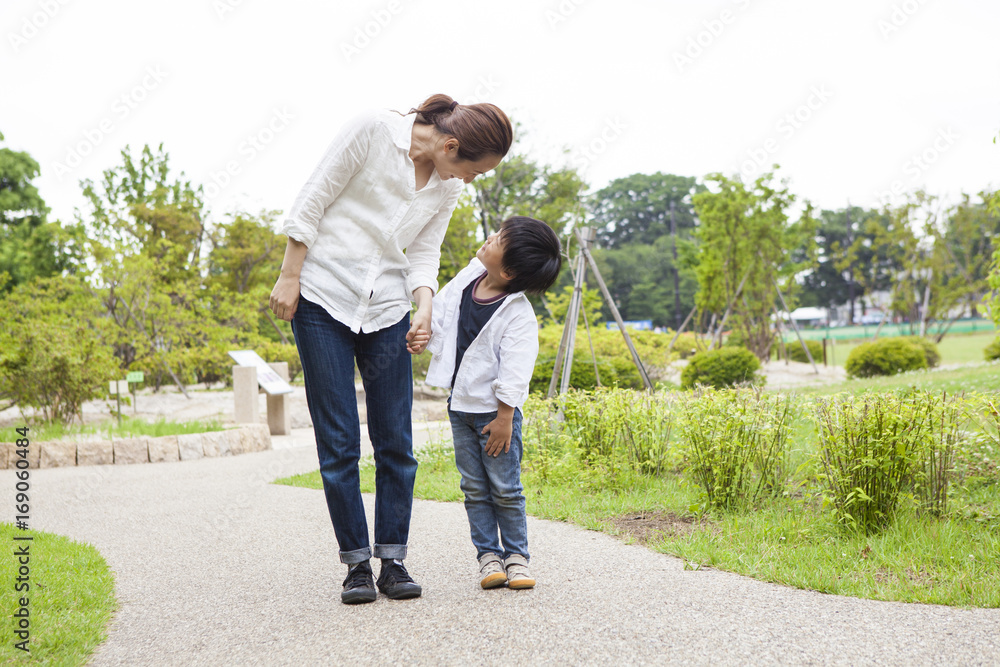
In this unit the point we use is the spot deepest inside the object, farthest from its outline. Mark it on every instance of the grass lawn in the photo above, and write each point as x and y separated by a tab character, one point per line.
71	599
130	427
978	377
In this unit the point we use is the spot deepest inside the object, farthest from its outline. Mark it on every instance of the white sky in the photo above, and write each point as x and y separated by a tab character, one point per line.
888	80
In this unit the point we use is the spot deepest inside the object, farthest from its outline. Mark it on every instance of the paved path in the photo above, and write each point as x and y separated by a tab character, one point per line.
217	566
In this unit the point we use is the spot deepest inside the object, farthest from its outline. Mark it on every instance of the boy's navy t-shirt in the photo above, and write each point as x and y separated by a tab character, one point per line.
473	314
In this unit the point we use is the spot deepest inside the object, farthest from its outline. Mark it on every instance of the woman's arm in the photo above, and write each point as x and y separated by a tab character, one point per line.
285	295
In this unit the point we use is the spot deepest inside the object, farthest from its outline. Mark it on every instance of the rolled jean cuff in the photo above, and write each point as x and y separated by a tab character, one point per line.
356	556
397	551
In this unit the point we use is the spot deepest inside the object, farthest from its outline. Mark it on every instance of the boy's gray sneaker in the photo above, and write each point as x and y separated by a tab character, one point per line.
518	575
491	571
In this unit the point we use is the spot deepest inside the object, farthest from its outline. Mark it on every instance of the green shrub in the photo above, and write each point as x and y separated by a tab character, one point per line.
686	345
724	367
738	445
877	448
604	437
887	356
796	353
992	351
582	376
735	339
54	365
930	349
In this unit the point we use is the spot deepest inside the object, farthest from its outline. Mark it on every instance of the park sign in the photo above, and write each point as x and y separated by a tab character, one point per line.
135	376
269	381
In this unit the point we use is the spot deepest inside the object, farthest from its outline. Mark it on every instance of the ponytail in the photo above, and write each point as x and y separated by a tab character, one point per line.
481	129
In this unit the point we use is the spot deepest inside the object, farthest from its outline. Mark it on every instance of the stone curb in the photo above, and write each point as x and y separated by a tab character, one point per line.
241	440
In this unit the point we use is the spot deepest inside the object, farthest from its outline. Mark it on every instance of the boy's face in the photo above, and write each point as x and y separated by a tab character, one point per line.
491	255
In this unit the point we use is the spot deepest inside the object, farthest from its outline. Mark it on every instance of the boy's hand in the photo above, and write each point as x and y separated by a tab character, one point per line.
417	341
499	430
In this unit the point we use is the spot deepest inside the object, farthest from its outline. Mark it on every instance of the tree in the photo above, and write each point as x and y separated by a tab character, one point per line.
745	249
834	279
640	280
636	208
246	252
30	246
138	208
964	247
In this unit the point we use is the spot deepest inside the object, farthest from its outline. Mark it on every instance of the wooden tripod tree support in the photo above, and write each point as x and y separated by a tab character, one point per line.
564	357
729	309
795	327
684	324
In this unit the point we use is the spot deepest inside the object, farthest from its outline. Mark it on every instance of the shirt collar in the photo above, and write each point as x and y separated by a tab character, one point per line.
404	131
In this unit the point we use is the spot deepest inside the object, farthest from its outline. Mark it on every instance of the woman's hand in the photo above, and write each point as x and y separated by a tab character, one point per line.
285	297
420	330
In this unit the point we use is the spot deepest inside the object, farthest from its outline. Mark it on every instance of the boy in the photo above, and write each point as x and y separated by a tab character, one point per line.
484	341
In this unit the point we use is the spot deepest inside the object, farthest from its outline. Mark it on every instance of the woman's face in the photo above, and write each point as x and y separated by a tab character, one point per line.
450	166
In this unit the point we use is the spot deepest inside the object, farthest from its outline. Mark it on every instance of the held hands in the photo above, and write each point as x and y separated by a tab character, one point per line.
420	331
500	430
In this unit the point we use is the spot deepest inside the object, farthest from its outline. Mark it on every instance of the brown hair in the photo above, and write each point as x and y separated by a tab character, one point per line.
481	129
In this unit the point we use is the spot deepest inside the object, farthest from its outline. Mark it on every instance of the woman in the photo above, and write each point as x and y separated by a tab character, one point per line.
387	184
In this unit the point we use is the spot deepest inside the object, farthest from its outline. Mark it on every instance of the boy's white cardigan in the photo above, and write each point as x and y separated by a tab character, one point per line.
499	362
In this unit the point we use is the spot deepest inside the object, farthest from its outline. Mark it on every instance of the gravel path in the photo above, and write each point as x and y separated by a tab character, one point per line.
217	566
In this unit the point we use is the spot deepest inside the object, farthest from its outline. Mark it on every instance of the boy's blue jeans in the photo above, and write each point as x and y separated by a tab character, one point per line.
328	350
494	498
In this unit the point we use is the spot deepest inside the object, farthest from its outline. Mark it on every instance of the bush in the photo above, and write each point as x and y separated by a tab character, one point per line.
992	351
582	376
930	350
887	356
796	353
686	345
738	445
724	367
878	447
55	366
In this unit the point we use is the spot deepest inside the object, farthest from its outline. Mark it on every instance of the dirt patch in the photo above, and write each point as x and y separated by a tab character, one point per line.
646	527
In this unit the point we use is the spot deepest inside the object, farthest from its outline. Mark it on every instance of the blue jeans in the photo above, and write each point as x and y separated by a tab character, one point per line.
328	350
494	497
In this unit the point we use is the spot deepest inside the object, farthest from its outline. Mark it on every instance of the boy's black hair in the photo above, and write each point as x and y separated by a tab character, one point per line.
532	252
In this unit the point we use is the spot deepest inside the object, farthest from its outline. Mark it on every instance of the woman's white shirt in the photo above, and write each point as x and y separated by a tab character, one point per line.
357	214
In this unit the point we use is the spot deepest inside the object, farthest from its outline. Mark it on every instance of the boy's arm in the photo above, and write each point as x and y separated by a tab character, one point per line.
518	351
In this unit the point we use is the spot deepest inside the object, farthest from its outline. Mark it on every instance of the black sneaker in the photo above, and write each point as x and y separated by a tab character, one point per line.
358	586
396	583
